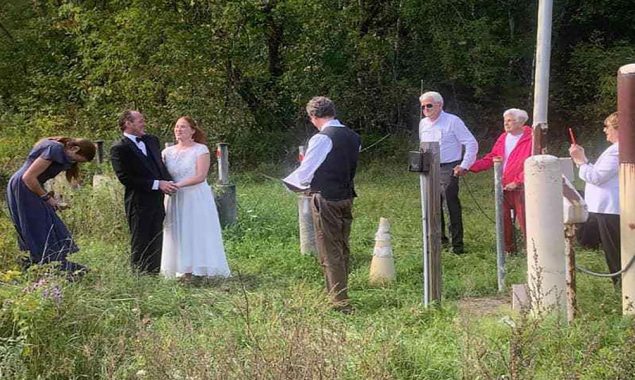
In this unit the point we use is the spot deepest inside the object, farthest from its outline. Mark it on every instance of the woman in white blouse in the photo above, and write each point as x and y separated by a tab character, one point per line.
601	192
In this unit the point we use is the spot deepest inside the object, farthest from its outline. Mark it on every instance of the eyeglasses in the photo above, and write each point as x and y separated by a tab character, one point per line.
428	106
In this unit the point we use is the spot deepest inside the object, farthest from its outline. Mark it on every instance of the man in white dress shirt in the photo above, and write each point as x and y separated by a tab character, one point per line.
327	172
452	135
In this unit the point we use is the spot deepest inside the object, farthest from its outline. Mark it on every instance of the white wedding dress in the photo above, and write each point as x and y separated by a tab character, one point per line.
192	241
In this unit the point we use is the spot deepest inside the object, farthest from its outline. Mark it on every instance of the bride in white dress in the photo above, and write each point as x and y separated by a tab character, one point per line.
192	241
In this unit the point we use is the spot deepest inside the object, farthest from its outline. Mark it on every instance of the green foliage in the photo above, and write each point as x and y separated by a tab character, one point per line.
245	69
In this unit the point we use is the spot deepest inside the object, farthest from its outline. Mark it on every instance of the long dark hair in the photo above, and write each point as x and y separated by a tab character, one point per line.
86	149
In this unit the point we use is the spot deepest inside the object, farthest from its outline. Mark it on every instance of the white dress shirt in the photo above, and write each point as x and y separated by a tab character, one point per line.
453	135
142	147
140	144
319	147
602	189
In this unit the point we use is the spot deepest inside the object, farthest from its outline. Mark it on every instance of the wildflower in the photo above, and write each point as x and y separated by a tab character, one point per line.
54	293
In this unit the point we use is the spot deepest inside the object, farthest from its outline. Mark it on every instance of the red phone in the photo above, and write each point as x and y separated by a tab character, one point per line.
572	136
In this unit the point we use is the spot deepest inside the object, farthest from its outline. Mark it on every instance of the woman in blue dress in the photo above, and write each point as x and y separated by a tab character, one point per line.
33	210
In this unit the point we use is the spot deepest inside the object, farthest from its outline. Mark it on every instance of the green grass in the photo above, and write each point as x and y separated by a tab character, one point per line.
272	320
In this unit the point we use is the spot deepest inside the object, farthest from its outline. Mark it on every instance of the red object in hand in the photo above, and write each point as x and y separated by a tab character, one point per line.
218	153
300	157
572	136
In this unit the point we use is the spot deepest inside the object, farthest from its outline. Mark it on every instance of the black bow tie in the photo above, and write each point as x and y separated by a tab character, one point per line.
139	139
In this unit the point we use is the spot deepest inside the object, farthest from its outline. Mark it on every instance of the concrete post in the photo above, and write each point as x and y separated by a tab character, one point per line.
626	111
545	233
500	228
225	194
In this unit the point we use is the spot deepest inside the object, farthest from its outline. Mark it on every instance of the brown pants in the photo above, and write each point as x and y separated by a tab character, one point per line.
332	222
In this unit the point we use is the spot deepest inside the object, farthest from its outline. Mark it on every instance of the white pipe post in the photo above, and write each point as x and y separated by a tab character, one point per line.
545	233
541	85
226	195
500	228
222	155
305	218
626	111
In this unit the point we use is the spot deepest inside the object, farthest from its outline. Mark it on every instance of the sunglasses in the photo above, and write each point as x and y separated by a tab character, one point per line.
428	106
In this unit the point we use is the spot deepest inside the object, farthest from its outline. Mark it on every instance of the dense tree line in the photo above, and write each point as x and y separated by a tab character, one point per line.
245	68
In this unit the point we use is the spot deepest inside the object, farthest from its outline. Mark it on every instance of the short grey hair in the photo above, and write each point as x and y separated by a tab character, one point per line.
518	115
432	94
320	106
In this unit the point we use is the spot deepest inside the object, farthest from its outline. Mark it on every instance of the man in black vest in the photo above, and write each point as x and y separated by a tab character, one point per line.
327	172
136	159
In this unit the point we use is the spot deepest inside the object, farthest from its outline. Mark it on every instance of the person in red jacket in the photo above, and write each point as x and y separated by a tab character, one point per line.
513	147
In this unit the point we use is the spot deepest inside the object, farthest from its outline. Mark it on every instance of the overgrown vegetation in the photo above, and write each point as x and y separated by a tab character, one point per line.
271	320
245	69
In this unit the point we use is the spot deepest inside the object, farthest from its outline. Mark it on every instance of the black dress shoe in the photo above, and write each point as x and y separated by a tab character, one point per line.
458	251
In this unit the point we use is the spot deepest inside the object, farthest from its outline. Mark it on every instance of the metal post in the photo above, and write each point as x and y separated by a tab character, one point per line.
541	86
222	155
226	195
100	151
626	110
432	189
500	228
569	235
423	185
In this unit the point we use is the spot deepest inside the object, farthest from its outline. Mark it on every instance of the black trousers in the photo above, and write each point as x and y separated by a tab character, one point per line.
146	231
609	231
450	196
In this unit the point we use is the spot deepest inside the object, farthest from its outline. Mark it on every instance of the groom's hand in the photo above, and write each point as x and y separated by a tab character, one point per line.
168	187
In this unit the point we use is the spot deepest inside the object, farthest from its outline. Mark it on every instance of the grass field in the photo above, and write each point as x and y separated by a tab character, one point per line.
271	320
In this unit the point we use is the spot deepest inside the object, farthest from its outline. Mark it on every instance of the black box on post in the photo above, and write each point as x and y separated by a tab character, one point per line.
419	162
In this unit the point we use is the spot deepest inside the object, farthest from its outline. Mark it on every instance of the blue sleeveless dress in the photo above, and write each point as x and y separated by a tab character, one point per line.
40	230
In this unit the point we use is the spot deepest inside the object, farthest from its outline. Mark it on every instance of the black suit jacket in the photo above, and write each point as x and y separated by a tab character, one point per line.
138	172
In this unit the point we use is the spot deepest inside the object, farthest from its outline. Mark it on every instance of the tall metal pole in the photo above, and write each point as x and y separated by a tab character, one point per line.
541	86
626	111
500	233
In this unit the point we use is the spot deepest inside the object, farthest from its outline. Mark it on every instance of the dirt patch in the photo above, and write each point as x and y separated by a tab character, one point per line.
484	306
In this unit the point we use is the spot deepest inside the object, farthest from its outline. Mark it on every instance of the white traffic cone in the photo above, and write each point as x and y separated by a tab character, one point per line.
382	267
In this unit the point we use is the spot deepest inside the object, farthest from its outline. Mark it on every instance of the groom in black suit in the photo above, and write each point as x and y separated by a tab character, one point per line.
136	159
